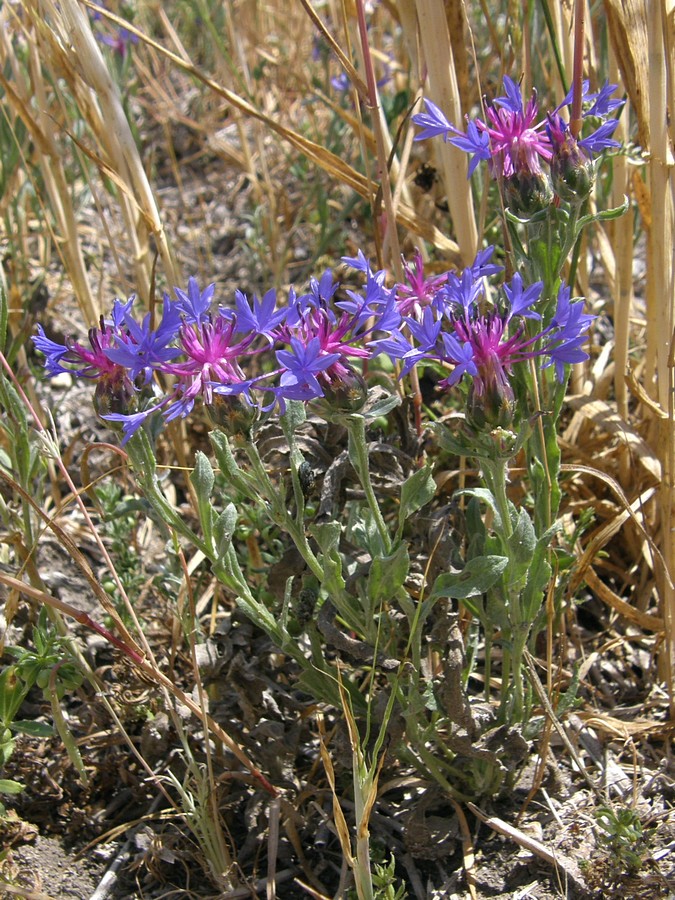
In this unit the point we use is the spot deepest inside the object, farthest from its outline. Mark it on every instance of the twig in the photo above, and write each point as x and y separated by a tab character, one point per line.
546	703
467	850
531	844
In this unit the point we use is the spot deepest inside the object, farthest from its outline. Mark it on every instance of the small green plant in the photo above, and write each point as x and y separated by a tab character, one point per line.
620	832
50	667
384	882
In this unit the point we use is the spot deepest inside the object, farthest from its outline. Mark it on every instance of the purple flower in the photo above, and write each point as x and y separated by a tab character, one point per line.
512	140
302	363
84	362
121	42
521	300
483	344
260	318
340	83
323	343
115	391
419	292
516	142
194	304
212	358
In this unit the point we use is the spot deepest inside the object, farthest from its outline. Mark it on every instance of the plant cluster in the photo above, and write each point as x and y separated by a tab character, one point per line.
381	623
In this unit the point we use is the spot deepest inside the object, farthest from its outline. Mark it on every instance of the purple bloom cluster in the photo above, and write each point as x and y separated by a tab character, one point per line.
261	354
448	321
513	141
302	351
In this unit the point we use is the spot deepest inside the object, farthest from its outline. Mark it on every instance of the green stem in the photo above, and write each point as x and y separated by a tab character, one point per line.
61	726
358	454
280	514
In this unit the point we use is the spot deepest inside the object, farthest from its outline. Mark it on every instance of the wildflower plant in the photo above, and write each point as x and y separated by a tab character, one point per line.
502	346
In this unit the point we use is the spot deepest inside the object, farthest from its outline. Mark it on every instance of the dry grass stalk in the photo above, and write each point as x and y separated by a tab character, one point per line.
86	71
661	308
444	92
37	119
622	242
642	41
320	156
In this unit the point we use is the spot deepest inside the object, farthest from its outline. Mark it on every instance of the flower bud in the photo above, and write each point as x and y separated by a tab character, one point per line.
527	193
114	394
491	401
571	170
231	414
346	392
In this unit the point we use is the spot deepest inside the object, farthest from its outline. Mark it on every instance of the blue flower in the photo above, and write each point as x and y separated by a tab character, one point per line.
302	363
521	300
260	318
131	422
142	349
358	262
54	353
432	122
475	142
195	305
514	98
601	139
602	106
560	355
462	355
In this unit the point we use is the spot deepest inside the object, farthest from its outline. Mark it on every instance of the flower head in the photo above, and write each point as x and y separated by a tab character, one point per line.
515	142
482	342
419	292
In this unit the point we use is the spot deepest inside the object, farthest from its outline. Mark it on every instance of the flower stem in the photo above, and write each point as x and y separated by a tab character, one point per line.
358	454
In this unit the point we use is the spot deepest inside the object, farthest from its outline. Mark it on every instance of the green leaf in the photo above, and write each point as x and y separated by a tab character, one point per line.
241	480
327	535
203	479
202	476
416	492
522	543
34	729
7	786
538	577
223	529
602	216
12	693
477	577
455	443
328	538
381	407
475	529
487	497
387	574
